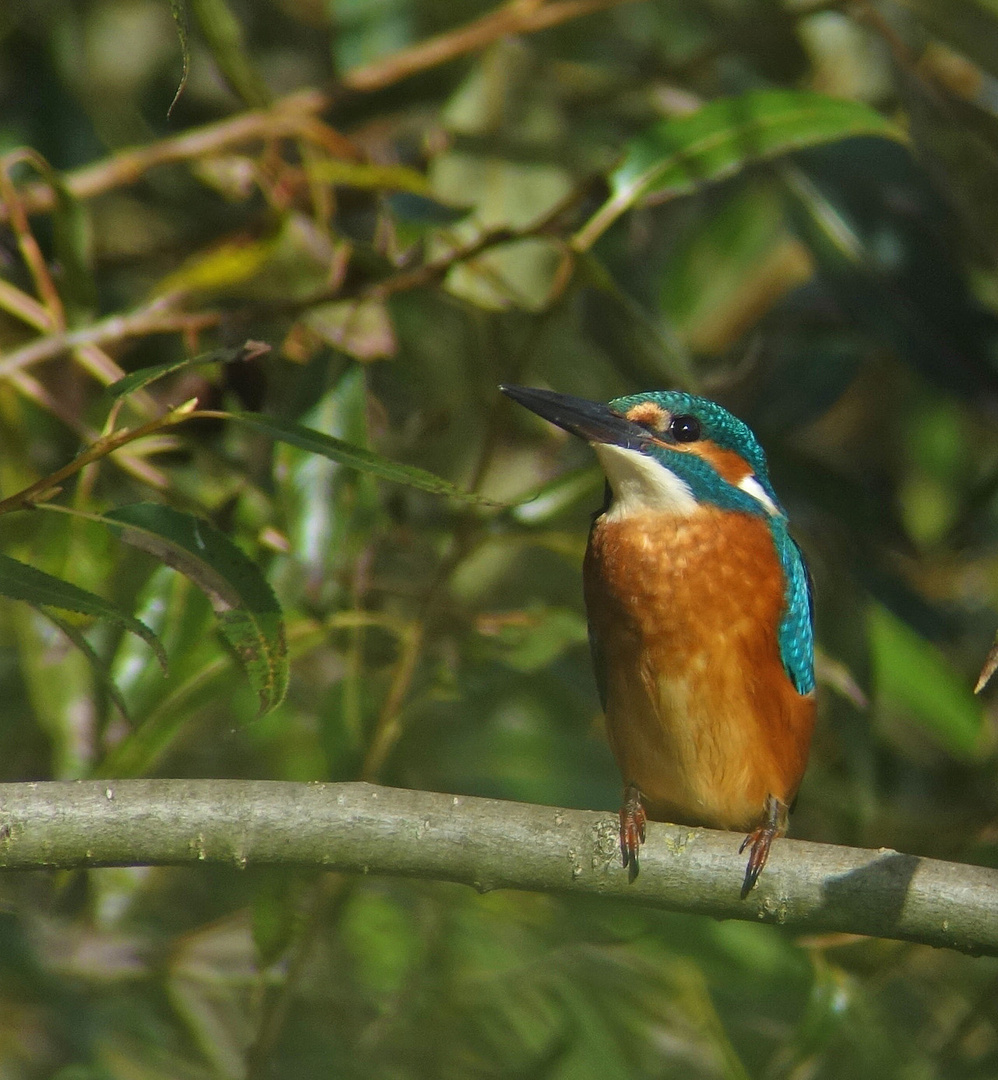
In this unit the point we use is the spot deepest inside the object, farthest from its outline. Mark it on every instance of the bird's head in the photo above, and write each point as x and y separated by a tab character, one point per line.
664	451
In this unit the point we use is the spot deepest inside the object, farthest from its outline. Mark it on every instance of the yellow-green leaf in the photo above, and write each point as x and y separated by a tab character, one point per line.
682	153
244	603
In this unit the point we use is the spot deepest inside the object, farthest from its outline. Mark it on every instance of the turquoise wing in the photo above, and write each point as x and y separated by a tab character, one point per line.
797	625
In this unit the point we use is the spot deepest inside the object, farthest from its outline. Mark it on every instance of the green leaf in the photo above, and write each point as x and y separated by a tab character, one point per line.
97	665
357	458
970	26
136	380
530	640
680	154
179	11
540	506
913	676
224	36
367	176
22	582
360	328
275	912
989	668
72	239
244	604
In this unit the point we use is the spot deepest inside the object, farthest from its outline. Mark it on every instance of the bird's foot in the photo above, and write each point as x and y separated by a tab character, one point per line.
758	841
632	829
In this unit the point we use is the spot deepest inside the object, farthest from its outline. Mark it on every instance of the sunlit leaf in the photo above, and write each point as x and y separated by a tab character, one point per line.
245	605
682	153
369	176
295	260
224	36
228	264
552	498
989	668
360	328
730	268
533	639
913	675
971	26
356	457
18	581
98	667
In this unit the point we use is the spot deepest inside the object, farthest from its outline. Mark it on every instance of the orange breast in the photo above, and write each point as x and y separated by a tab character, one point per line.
700	712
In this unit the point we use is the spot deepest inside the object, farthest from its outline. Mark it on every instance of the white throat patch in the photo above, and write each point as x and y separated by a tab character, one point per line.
641	485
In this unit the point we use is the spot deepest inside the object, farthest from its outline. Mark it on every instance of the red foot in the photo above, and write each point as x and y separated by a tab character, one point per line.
632	830
760	839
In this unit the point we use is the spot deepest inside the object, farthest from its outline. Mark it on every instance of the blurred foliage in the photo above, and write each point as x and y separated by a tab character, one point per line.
787	206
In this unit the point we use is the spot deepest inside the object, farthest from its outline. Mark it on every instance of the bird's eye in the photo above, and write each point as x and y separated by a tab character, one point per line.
684	428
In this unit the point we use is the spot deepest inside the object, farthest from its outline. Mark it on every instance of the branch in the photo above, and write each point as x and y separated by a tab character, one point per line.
512	18
489	844
291	116
157	318
297	114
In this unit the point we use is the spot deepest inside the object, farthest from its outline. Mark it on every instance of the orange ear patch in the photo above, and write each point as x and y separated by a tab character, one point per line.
649	414
729	466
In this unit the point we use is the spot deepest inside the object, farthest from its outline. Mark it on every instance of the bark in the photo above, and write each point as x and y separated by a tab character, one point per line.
490	844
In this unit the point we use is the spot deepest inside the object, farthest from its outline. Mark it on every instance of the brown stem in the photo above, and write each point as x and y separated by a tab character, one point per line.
158	318
297	114
36	492
515	17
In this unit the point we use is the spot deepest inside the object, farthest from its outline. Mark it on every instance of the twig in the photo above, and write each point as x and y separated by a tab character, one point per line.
490	844
162	317
297	114
35	493
294	115
515	17
157	318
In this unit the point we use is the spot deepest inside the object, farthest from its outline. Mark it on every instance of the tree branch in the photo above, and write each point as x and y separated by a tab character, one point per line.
489	844
297	114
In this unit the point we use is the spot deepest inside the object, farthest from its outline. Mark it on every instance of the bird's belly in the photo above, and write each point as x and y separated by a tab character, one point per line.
700	712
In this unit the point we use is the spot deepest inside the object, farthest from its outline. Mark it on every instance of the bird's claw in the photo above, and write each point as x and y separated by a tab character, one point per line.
632	830
760	839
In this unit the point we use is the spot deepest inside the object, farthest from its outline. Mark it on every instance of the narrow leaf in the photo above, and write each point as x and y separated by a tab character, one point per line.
223	34
315	441
913	676
366	176
545	502
136	380
22	582
989	668
179	11
680	154
72	238
98	667
247	610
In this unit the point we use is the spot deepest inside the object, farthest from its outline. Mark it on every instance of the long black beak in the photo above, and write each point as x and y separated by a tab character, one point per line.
590	420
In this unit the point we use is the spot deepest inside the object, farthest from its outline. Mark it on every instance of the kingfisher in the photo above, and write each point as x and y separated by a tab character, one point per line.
700	618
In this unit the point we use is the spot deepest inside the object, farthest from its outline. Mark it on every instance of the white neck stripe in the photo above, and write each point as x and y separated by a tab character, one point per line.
751	486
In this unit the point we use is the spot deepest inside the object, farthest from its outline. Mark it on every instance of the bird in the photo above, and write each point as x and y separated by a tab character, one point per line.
700	615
